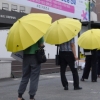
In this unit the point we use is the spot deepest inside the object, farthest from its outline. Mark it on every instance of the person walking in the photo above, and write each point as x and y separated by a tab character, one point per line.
98	64
90	64
68	56
31	70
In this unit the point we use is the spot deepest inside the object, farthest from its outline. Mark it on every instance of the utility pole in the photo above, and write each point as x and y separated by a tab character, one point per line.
89	23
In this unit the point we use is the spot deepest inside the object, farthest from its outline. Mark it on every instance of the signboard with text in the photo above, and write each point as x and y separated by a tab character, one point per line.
10	12
9	16
71	8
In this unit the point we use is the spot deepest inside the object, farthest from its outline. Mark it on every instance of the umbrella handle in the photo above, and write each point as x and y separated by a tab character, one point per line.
57	50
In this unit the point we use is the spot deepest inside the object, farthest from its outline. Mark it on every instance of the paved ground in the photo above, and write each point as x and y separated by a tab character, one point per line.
50	88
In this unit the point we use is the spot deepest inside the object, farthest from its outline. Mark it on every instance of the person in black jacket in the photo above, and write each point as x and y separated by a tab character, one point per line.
90	63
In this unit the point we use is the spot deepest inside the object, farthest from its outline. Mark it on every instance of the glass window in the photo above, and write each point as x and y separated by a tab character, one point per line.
22	9
5	6
13	7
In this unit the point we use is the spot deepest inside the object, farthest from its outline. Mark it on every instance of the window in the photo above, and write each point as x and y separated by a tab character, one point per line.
5	6
13	7
22	9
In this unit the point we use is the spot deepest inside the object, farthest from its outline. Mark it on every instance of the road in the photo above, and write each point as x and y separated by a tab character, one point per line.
50	88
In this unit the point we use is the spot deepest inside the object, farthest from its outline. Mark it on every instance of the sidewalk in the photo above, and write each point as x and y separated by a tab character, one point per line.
50	88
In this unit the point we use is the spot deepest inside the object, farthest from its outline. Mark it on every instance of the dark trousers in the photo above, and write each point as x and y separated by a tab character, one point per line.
98	69
31	70
67	58
90	62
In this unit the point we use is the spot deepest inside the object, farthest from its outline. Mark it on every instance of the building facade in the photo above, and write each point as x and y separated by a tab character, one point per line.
98	9
5	5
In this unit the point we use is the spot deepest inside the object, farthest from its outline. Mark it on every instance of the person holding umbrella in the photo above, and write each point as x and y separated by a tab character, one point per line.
62	33
98	63
27	35
90	65
68	56
89	41
31	70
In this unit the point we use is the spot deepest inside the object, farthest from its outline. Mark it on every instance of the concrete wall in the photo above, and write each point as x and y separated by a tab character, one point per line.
94	16
98	9
5	69
3	51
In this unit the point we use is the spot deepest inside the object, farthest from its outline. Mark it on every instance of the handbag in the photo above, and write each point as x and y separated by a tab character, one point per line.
40	55
57	57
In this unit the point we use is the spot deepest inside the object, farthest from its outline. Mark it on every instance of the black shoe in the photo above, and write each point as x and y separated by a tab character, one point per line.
82	79
66	88
77	88
22	99
94	80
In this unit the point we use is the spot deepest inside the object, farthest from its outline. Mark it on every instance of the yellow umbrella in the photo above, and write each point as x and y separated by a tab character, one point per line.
82	55
98	49
90	39
27	31
62	31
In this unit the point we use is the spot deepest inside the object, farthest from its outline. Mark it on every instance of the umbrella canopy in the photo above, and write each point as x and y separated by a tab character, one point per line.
27	31
62	31
90	39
